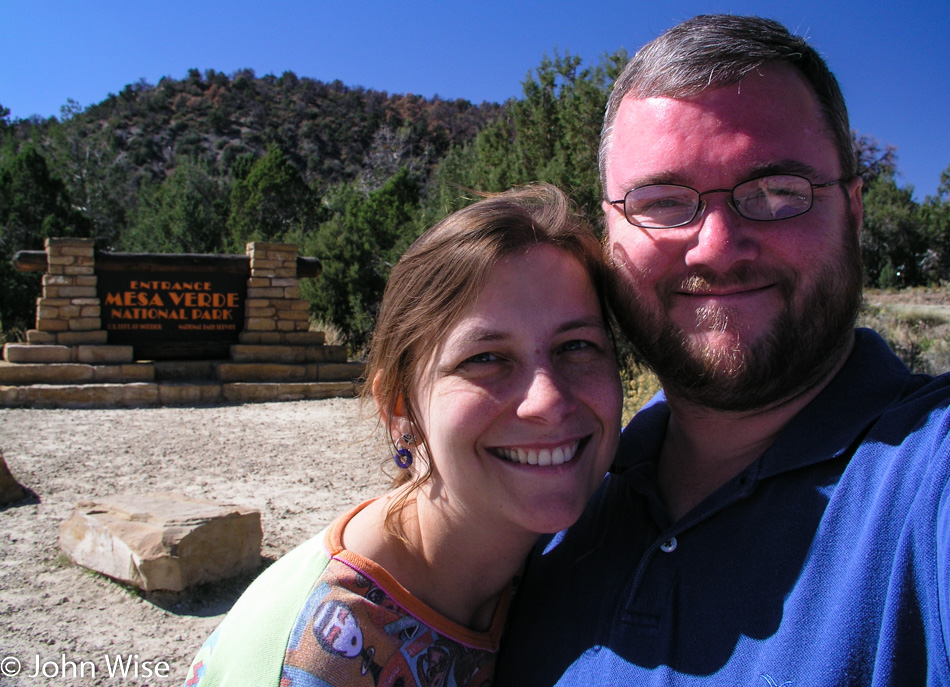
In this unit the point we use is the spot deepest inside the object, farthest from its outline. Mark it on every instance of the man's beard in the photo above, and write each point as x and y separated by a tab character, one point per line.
805	341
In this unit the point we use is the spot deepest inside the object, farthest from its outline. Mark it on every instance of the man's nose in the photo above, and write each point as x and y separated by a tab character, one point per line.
723	237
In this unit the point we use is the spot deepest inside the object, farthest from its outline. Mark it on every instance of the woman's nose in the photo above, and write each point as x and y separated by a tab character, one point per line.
546	397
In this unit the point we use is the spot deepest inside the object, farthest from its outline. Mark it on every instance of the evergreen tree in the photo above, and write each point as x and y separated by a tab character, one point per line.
187	213
892	241
935	220
270	203
34	205
357	247
99	177
552	134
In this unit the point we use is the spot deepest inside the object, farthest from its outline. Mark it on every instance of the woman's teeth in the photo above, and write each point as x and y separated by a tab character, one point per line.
541	457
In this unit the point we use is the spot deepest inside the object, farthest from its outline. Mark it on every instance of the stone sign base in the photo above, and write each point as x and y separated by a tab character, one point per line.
241	379
67	360
106	376
163	541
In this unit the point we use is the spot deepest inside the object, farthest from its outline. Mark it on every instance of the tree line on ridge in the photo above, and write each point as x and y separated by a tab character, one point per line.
351	176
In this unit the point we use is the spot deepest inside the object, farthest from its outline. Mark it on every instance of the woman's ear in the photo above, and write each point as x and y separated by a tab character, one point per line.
396	419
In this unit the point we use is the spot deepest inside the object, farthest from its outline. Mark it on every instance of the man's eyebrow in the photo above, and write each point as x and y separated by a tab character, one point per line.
650	179
789	166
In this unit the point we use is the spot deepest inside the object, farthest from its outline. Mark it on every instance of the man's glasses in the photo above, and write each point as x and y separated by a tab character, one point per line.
765	199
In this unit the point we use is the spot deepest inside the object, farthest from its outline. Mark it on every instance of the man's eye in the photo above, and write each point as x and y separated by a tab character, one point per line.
660	204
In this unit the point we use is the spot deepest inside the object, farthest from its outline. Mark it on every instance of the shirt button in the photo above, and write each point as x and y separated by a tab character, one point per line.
669	546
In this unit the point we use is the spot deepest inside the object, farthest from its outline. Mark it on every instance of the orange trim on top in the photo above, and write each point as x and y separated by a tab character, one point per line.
488	641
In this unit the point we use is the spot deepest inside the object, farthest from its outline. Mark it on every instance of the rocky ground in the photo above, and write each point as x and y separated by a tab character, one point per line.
299	463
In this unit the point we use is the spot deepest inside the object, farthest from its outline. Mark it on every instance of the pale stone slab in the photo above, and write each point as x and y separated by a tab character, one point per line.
9	396
265	292
242	392
88	395
267	338
239	392
84	324
307	338
260	324
261	372
46	325
104	353
189	394
99	336
338	372
137	372
36	337
163	540
43	373
332	390
30	353
123	374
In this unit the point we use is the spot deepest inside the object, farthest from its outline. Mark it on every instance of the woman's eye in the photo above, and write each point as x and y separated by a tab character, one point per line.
575	345
482	358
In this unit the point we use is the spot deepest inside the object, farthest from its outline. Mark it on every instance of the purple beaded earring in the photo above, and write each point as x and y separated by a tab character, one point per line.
403	455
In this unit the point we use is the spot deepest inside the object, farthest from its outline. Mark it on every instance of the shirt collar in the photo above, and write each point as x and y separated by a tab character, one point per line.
869	382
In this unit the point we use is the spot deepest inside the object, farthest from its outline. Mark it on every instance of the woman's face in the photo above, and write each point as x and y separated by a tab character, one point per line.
520	404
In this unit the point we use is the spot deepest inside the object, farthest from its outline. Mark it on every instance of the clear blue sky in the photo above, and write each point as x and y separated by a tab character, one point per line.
892	58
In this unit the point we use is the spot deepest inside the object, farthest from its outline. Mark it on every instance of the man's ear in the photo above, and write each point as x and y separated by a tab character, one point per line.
856	200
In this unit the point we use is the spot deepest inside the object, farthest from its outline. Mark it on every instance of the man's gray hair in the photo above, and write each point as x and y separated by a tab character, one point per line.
712	51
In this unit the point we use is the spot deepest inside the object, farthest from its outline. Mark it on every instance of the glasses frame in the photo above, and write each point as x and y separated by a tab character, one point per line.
701	204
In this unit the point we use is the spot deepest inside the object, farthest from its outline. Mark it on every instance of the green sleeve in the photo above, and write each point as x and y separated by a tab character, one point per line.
247	649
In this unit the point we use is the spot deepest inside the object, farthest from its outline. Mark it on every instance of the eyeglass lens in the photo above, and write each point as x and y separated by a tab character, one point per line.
766	198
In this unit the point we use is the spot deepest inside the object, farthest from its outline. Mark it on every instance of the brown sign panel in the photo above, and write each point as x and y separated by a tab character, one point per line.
172	306
172	303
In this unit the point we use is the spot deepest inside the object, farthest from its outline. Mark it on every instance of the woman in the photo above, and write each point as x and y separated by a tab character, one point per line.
493	371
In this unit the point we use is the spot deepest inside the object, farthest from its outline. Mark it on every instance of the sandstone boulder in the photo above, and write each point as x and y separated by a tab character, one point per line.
163	541
10	489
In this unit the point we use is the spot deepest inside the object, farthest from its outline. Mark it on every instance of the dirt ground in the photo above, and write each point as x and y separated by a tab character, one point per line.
299	463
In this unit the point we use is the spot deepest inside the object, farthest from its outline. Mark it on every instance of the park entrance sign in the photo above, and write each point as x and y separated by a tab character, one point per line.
169	306
132	329
172	300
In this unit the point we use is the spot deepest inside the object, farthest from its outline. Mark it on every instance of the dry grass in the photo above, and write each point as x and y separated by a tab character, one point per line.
639	386
915	323
334	335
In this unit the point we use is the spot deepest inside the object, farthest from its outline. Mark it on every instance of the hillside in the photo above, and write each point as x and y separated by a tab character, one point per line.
171	167
329	130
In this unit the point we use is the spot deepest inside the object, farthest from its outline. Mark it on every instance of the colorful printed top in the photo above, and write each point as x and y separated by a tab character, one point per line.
323	616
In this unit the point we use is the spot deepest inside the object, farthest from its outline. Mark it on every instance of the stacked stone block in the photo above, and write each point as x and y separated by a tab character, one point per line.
68	312
66	361
274	311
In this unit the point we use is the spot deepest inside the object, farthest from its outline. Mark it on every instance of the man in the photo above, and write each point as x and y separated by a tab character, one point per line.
781	516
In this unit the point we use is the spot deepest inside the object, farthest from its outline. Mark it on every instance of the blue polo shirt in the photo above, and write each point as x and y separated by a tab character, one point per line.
825	562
